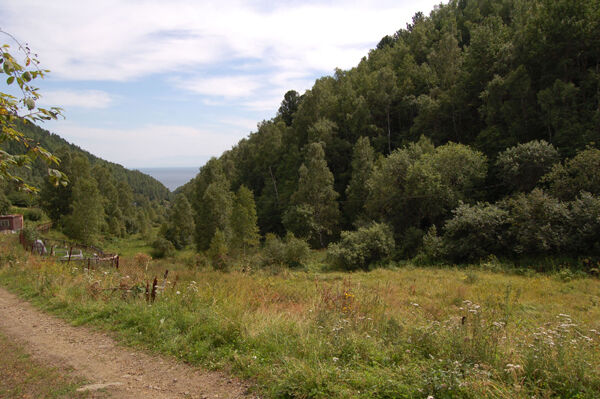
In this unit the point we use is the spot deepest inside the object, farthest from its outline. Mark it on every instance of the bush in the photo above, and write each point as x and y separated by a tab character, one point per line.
584	225
581	173
521	167
162	248
30	234
291	252
538	223
217	251
475	231
363	247
432	250
4	204
33	214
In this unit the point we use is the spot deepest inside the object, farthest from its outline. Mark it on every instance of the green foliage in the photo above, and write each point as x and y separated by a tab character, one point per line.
513	82
244	226
584	225
419	185
363	162
314	202
24	109
521	167
213	202
291	252
218	250
5	204
363	247
33	214
538	223
84	222
162	248
180	223
30	234
580	173
474	232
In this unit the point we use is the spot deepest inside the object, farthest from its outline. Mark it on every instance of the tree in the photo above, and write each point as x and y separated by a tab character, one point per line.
316	195
580	173
289	106
521	167
180	223
84	222
13	109
213	204
244	230
363	161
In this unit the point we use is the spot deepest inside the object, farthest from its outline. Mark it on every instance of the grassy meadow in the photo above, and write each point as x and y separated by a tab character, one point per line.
405	332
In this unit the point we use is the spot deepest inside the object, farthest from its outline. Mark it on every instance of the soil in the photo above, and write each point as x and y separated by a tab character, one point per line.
110	368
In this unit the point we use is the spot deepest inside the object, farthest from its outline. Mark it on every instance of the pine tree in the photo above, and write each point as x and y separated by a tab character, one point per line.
314	205
363	160
244	226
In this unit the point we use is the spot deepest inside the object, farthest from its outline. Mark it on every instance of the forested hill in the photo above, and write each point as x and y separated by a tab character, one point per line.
139	182
489	74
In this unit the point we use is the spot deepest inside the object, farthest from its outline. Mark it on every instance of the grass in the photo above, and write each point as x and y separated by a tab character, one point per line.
23	377
390	333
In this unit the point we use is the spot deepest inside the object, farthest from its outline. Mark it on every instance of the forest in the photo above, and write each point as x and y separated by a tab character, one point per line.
471	132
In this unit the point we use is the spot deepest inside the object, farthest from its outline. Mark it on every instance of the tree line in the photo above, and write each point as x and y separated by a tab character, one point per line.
484	107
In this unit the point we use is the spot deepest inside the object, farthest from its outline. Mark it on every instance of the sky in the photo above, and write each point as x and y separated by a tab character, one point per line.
172	83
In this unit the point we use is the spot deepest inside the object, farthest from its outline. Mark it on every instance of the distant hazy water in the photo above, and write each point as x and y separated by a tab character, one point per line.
172	177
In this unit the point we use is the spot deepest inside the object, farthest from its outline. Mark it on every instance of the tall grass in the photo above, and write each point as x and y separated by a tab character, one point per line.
404	333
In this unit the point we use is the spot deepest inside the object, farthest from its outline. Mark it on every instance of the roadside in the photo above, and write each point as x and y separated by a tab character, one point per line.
24	377
110	369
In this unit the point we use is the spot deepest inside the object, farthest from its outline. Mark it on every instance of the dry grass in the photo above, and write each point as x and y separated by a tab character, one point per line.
408	332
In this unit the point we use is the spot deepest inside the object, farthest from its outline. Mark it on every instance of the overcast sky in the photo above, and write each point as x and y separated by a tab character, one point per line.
172	83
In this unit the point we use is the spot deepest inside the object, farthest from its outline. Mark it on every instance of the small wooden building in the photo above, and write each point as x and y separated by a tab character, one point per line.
11	222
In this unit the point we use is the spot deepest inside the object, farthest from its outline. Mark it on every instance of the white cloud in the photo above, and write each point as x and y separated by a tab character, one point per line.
243	55
150	145
76	99
222	86
122	40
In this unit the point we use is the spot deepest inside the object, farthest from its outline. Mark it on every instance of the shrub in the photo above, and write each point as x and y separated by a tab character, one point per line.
4	204
217	251
162	248
432	249
359	249
584	225
475	231
30	234
33	214
538	223
522	166
581	173
290	252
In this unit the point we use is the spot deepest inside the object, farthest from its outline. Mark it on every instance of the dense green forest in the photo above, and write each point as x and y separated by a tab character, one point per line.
470	132
101	198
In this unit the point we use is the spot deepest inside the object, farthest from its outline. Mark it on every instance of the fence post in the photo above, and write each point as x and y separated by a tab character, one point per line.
70	251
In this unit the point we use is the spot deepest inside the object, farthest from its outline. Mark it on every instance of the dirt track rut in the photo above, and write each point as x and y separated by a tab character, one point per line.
121	372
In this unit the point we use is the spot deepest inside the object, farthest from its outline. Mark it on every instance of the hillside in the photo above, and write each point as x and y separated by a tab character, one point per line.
139	182
472	80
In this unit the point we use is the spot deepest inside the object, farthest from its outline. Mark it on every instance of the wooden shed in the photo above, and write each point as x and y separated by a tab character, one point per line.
11	222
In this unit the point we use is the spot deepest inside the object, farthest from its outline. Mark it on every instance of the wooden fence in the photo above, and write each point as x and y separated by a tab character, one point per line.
68	251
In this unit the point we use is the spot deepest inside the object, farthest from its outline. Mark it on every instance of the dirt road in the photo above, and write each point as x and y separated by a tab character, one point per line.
121	372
